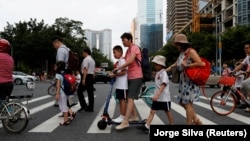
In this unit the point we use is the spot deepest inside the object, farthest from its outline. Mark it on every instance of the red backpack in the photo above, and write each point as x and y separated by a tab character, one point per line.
199	75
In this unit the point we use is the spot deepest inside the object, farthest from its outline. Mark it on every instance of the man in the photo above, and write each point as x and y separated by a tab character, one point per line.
87	82
245	63
62	55
6	69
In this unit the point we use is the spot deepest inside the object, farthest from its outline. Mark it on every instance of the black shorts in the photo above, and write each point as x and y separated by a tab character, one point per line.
121	94
6	89
165	106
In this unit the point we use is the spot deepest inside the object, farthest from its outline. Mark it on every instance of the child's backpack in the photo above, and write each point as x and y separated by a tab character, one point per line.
199	75
144	63
69	83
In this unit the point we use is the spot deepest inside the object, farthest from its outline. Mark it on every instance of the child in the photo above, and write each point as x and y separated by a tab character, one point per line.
161	98
121	83
60	96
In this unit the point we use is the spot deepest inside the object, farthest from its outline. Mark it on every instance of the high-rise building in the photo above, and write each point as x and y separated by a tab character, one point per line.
243	12
179	13
149	33
101	40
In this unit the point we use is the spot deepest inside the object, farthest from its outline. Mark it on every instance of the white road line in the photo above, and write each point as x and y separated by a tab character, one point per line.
182	112
39	108
52	123
233	115
111	109
144	110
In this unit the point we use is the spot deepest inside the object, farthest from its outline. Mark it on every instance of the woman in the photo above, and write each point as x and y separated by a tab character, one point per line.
6	69
188	91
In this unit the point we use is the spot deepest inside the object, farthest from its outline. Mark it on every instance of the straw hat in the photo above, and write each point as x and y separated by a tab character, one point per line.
159	59
181	38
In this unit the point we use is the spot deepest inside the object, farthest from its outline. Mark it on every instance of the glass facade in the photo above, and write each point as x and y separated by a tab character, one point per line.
151	37
150	14
243	12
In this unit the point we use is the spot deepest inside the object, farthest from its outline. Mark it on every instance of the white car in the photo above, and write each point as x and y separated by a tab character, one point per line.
30	77
20	79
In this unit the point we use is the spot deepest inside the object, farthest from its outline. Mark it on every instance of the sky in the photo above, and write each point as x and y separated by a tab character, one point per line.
116	15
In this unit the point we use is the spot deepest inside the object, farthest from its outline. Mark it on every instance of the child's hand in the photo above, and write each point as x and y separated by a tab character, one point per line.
155	97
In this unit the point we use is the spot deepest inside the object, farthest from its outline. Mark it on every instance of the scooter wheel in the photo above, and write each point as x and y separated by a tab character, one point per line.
102	124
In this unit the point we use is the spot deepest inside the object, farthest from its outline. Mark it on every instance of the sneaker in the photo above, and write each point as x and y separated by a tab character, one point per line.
118	119
123	125
133	119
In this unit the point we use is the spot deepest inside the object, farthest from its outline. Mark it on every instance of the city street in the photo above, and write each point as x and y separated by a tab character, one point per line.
45	122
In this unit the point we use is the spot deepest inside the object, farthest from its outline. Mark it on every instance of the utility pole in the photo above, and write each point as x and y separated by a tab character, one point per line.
220	45
216	30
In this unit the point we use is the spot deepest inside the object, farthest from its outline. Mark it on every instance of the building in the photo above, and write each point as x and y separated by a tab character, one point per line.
243	12
179	13
101	40
148	29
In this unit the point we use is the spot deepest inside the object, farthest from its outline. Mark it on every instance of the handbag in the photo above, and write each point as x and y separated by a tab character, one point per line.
175	75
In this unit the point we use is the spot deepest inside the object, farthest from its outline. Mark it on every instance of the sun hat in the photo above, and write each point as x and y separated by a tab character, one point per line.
159	59
181	38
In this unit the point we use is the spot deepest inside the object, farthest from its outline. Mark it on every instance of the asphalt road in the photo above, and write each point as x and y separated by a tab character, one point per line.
45	122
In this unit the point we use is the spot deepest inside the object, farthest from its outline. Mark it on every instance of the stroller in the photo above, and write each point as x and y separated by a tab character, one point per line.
106	120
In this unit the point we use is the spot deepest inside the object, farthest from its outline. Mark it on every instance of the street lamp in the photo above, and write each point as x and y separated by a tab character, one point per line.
220	46
218	43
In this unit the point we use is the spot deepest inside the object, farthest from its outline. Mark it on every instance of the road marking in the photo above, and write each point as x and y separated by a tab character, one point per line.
143	109
179	109
52	123
233	115
111	109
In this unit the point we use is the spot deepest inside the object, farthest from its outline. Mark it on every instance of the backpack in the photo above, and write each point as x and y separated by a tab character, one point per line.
199	75
145	65
73	60
69	83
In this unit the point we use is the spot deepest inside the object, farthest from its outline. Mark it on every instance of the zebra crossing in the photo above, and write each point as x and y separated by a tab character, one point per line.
51	124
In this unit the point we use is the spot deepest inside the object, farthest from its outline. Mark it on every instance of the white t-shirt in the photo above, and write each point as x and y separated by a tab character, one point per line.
121	82
246	61
60	77
239	79
160	78
89	64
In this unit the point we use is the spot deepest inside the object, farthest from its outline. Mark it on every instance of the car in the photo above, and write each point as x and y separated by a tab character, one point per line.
30	77
20	79
213	80
102	76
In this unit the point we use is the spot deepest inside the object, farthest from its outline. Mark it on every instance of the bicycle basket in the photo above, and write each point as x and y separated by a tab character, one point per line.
227	80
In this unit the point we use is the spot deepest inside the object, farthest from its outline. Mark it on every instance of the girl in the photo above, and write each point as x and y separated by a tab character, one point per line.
61	96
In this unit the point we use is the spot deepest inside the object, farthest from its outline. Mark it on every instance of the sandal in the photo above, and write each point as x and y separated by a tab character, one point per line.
197	122
72	116
65	123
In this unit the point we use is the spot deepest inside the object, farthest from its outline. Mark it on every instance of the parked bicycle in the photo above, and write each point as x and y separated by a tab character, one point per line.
14	115
224	102
146	93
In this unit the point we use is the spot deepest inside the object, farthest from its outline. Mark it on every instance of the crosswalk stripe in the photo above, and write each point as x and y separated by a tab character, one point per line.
144	111
233	115
52	123
179	109
111	109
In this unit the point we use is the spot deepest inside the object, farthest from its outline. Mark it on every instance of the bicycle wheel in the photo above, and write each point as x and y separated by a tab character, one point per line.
52	90
148	95
16	118
223	103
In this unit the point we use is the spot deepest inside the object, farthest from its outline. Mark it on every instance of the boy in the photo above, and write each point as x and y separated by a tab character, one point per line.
161	98
121	83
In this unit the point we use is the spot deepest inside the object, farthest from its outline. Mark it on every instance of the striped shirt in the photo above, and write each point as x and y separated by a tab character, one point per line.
6	68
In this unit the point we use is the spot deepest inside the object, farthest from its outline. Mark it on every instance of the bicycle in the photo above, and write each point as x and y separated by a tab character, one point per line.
224	102
14	115
52	88
146	93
